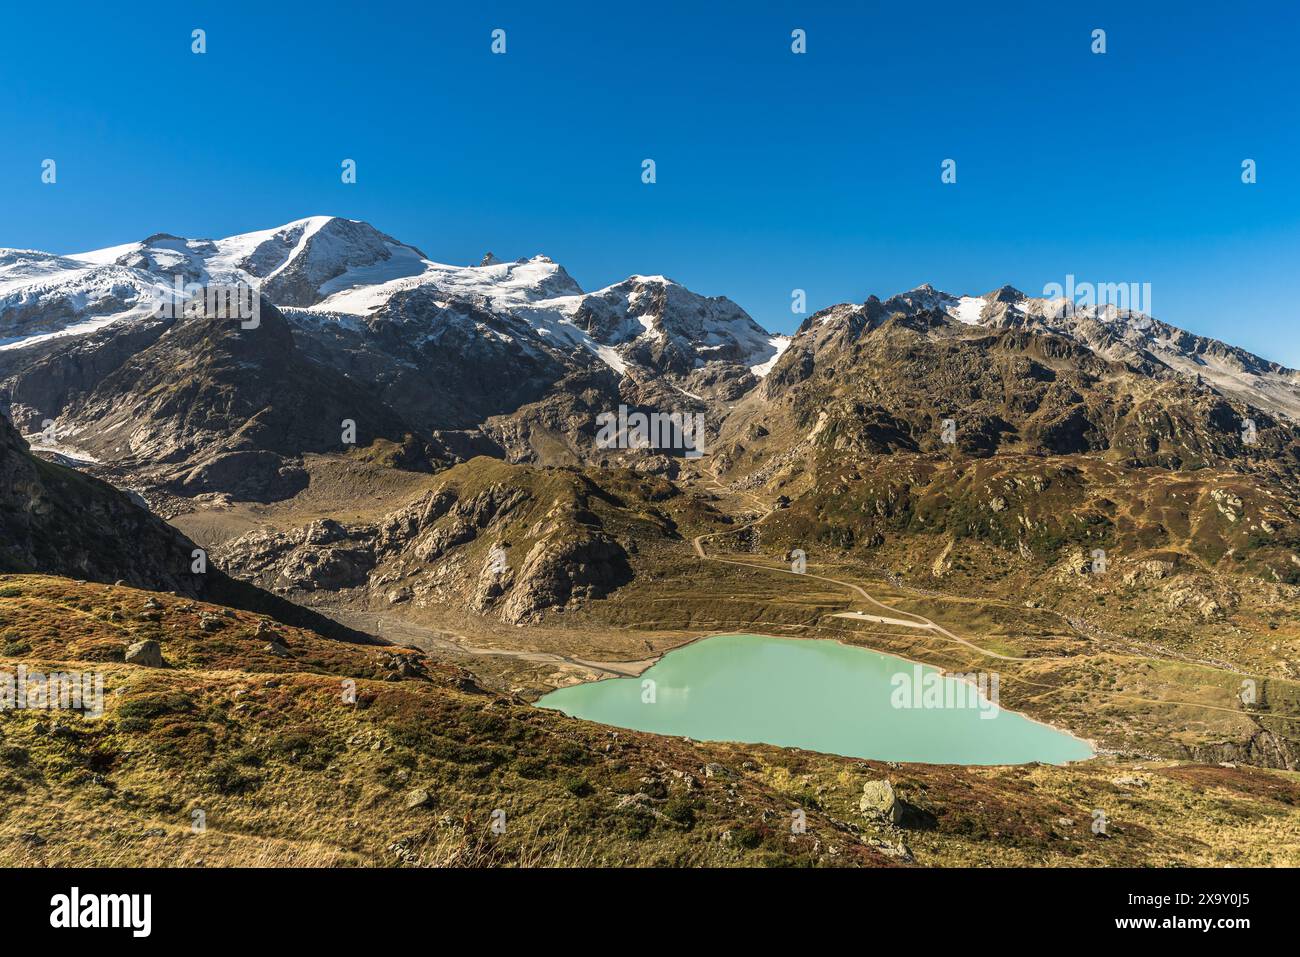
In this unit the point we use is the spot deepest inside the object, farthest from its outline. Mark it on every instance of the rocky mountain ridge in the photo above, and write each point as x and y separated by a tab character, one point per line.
456	349
511	361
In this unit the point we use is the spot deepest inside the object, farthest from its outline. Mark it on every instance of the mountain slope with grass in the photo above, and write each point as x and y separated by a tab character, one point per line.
57	520
247	748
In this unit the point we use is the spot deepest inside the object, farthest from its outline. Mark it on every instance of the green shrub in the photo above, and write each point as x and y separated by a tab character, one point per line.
139	713
11	754
681	811
578	787
228	778
155	706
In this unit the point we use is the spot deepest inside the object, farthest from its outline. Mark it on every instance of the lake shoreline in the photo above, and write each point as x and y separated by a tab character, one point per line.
964	676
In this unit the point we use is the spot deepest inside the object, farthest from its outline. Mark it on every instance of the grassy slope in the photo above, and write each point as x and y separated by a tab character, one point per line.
288	773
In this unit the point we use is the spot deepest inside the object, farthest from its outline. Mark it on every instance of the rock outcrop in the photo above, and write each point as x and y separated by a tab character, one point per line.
147	654
880	803
498	547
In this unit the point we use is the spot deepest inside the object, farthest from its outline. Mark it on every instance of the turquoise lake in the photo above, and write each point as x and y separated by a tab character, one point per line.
819	695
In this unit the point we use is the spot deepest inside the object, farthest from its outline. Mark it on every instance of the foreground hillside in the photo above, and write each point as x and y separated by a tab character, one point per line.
58	520
248	722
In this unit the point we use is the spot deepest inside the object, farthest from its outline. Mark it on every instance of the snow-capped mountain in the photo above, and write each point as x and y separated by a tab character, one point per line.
339	281
444	347
669	328
1132	336
297	264
345	268
508	358
43	296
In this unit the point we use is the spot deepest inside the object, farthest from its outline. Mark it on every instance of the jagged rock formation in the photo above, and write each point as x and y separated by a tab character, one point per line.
508	541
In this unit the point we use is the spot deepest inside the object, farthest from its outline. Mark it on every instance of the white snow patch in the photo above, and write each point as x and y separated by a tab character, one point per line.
38	444
968	310
105	257
610	357
77	329
780	344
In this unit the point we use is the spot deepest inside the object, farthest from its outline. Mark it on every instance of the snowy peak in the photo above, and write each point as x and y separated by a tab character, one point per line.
494	283
25	267
528	280
662	324
307	261
297	264
1108	320
922	297
43	296
649	321
348	270
1007	294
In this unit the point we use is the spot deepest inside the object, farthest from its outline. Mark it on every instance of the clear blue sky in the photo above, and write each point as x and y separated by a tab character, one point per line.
775	171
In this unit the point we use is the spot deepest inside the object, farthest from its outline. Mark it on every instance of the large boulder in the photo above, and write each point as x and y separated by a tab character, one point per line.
880	803
418	798
145	653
